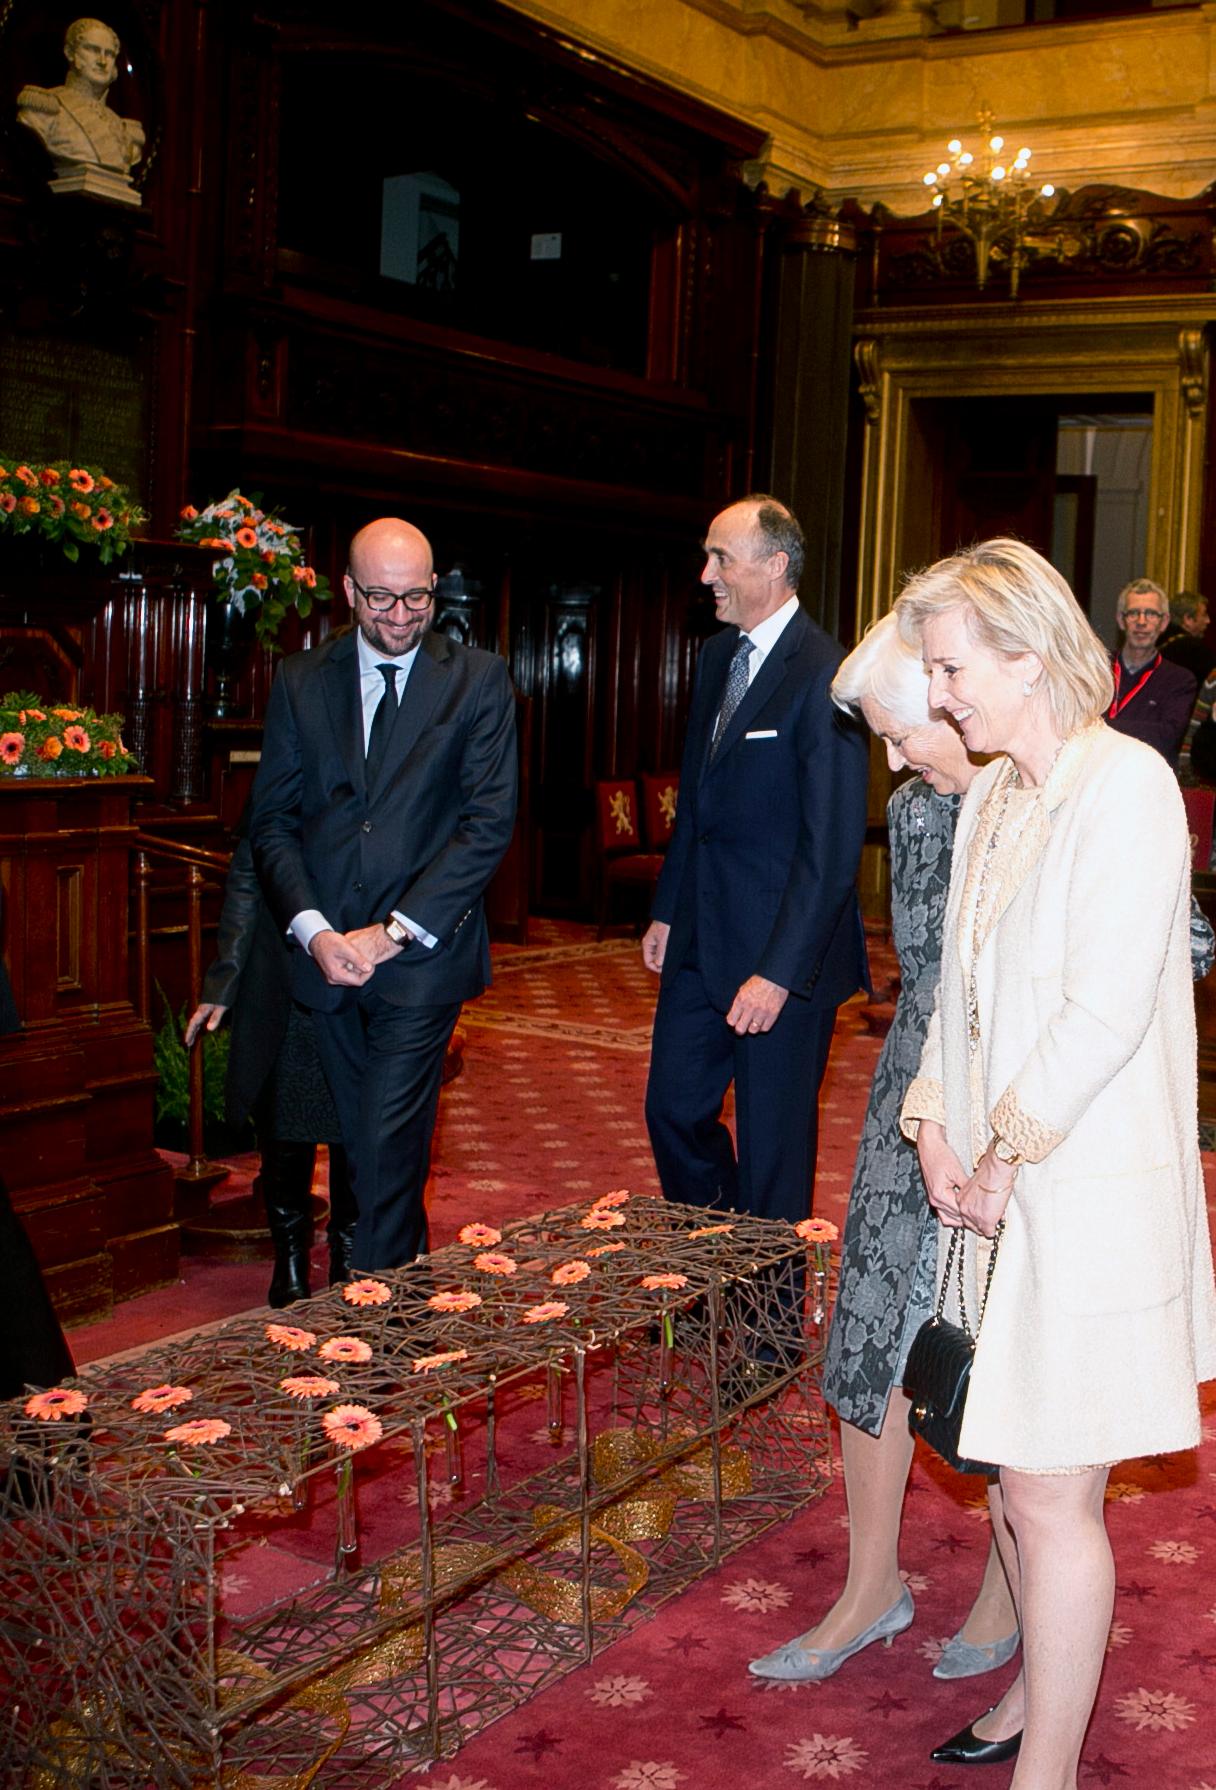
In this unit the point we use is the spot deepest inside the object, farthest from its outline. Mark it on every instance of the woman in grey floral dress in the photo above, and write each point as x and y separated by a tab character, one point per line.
889	1251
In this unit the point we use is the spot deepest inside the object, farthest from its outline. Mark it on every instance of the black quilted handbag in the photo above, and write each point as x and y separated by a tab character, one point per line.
939	1368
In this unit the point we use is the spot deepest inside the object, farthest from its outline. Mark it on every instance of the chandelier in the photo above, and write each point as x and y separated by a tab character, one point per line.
993	200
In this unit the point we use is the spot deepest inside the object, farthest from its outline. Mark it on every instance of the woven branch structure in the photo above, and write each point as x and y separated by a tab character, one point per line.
681	1418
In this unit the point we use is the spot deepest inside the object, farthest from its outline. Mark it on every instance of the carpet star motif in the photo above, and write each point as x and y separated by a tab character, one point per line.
1103	1769
756	1595
649	1774
722	1723
1135	1590
1200	1661
1155	1711
619	1691
538	1744
887	1704
690	1643
832	1756
1175	1553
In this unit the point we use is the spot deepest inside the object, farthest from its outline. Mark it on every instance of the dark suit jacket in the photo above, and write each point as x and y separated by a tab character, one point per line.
425	840
759	876
1159	712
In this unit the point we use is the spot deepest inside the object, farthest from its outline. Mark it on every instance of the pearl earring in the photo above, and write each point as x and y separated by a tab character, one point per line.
1027	687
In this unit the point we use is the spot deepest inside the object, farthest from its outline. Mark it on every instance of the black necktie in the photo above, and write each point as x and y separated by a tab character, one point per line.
382	723
736	689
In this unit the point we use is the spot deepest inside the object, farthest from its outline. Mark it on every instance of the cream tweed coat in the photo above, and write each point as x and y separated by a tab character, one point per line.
1102	1314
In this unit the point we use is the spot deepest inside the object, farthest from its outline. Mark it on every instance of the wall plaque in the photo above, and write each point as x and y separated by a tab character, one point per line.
64	399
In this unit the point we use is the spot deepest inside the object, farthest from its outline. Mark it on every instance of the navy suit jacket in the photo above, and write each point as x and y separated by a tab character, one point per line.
759	878
425	840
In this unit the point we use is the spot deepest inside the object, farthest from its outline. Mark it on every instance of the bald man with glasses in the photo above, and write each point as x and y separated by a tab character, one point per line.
383	805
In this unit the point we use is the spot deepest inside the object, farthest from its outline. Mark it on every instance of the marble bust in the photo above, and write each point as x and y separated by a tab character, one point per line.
92	148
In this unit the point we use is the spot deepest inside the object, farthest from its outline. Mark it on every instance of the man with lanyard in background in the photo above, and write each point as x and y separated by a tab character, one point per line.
1153	698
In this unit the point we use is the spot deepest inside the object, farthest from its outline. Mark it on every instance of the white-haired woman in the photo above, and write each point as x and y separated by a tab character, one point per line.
889	1250
1057	1092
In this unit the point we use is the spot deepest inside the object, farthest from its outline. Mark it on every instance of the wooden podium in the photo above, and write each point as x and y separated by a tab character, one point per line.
77	1082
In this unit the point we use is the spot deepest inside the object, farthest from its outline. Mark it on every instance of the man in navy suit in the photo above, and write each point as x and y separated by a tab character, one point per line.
383	804
756	932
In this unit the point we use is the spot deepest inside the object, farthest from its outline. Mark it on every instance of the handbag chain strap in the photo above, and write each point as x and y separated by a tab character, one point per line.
955	1236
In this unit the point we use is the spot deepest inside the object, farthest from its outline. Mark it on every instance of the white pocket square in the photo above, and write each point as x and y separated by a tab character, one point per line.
762	733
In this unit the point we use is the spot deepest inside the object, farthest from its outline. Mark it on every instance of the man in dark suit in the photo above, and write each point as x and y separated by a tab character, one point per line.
383	804
756	931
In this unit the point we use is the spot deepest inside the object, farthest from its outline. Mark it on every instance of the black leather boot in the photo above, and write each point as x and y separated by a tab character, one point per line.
342	1215
287	1192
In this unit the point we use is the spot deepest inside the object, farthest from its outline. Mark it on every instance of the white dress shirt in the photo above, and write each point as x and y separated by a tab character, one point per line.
765	635
373	689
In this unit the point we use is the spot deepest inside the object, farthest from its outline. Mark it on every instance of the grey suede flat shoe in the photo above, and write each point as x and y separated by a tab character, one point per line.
794	1665
961	1659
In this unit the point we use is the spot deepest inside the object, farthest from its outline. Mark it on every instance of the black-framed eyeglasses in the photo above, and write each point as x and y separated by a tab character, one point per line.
383	600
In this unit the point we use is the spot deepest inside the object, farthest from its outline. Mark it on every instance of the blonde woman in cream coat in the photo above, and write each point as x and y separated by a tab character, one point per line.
1057	1093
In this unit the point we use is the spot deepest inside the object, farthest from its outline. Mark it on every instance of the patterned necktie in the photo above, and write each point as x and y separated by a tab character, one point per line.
736	689
382	723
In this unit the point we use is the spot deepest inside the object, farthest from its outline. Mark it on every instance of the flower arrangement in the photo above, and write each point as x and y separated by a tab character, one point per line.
73	506
40	740
263	570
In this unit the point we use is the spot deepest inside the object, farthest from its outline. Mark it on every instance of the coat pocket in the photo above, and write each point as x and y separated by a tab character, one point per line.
1116	1241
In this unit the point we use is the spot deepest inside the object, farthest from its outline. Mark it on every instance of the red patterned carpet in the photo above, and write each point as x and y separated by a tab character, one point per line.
548	1110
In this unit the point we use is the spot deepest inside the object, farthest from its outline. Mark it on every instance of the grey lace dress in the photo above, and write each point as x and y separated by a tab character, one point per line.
888	1255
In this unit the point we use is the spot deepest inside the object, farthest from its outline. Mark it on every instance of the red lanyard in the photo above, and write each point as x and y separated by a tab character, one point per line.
1117	672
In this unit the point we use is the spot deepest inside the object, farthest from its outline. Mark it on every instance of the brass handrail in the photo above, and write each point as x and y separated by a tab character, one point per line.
177	852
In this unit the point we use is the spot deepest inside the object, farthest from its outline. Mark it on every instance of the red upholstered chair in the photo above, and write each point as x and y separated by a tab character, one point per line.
1199	803
623	863
660	793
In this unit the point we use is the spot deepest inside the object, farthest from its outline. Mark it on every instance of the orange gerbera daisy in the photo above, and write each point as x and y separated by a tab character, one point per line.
310	578
308	1386
32	715
12	745
366	1292
606	1249
664	1282
30	505
492	1263
345	1348
601	1219
269	555
424	1363
103	520
352	1427
189	513
49	476
107	748
155	1399
25	475
482	1236
245	537
80	509
200	1432
80	480
62	714
258	581
816	1230
60	1401
617	1197
105	483
57	506
290	1336
76	738
51	748
454	1301
542	1314
569	1273
8	503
